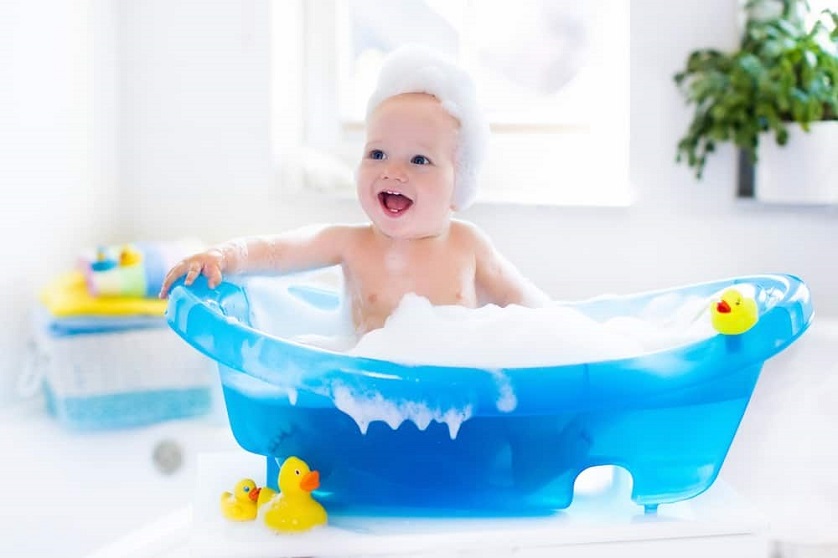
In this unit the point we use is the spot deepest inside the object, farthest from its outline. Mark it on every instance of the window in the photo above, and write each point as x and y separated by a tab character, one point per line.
552	76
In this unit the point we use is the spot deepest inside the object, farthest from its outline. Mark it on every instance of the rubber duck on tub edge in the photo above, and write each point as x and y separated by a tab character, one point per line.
733	313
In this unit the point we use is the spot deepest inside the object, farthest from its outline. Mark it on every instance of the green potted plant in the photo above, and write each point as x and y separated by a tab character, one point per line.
785	72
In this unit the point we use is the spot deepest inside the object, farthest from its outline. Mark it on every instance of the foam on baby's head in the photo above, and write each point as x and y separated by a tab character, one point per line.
415	69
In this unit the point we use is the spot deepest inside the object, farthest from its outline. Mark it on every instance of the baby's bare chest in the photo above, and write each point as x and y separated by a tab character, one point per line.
377	285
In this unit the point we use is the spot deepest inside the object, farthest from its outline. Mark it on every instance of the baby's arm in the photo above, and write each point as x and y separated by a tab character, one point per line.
298	250
498	281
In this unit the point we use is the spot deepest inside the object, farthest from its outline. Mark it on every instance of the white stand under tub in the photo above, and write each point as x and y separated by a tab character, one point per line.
608	524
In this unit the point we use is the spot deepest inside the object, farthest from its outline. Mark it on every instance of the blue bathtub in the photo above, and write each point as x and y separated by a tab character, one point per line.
666	417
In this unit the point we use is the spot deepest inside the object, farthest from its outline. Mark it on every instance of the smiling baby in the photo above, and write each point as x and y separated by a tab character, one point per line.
425	141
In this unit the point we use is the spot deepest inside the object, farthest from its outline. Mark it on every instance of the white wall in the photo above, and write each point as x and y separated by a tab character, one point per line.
57	156
195	128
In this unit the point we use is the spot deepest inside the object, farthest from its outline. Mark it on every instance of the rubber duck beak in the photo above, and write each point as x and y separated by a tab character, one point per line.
254	494
723	307
310	481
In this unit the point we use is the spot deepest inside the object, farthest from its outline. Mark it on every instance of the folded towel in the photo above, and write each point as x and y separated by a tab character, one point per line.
133	270
68	295
67	326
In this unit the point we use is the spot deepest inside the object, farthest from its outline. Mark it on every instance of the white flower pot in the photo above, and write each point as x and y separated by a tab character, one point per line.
804	171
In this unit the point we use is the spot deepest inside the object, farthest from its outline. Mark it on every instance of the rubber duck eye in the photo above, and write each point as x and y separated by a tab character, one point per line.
297	471
247	489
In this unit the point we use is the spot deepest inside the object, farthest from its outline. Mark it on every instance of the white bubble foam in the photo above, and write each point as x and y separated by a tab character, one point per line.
514	337
489	338
368	408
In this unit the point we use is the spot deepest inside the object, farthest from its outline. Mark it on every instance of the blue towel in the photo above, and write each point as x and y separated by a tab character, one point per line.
83	325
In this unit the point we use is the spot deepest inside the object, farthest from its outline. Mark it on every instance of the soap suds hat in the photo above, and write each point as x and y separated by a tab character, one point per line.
415	69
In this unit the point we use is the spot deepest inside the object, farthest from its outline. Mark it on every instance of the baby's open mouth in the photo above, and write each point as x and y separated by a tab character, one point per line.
394	202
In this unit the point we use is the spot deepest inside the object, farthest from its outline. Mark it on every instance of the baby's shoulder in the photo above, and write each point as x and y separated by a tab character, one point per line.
463	228
467	233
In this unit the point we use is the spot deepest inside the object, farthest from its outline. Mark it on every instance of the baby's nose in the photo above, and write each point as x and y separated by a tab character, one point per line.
394	170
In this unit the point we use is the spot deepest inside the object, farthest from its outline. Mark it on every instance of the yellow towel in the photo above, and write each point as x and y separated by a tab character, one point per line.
68	296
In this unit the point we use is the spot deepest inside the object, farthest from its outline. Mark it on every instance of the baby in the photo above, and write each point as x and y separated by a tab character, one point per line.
425	139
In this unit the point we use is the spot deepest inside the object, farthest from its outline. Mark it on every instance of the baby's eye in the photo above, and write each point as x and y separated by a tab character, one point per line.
420	160
376	154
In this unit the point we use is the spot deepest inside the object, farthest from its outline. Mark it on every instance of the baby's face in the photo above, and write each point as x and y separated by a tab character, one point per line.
406	175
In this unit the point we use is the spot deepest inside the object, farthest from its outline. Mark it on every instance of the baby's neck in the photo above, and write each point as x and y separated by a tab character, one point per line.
408	243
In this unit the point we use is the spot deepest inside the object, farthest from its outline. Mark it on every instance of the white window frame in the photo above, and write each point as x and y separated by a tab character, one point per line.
305	38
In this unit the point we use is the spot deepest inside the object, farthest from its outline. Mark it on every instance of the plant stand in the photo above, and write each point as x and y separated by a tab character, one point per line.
802	172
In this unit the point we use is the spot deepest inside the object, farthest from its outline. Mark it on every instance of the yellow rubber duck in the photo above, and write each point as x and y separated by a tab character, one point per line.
243	503
129	256
733	313
294	509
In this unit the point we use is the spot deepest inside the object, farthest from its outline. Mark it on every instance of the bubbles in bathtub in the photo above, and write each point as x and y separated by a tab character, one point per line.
365	409
507	400
492	337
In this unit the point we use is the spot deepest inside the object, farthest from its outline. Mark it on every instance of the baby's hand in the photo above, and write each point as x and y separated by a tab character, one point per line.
209	263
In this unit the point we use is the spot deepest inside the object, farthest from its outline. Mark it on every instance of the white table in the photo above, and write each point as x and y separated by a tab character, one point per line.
717	523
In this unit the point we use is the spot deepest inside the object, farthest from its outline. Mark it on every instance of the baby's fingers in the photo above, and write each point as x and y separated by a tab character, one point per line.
207	263
213	274
171	277
192	273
